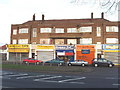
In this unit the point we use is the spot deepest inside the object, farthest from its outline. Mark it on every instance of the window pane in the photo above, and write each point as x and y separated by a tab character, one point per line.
45	30
14	41
86	41
23	41
111	40
98	31
59	41
71	30
34	32
85	29
14	31
59	30
111	28
71	41
44	41
23	30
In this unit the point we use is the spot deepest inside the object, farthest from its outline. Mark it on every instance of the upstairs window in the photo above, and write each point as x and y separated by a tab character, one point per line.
23	41
44	41
86	29
71	41
71	30
14	31
45	30
34	32
14	41
23	30
112	40
111	28
98	31
86	41
59	30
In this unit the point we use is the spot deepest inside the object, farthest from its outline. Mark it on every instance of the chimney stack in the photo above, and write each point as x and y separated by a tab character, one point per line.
102	15
34	17
43	17
92	15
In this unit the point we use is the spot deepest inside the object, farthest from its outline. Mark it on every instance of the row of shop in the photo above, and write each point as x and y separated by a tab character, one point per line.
64	52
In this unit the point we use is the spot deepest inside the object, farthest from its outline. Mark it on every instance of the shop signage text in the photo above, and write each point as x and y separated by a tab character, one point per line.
45	47
18	46
70	47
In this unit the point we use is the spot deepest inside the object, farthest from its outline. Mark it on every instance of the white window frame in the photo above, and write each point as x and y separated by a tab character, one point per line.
59	30
23	30
70	41
86	41
98	32
112	40
86	29
57	41
45	30
14	41
14	31
71	30
34	32
46	39
23	41
111	28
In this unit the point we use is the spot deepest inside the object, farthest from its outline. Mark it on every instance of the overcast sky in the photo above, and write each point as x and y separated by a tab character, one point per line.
20	11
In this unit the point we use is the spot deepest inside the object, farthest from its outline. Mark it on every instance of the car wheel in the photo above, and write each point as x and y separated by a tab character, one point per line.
60	63
37	63
96	65
83	64
69	64
26	62
110	65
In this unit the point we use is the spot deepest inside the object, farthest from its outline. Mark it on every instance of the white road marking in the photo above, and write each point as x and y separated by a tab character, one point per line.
77	82
72	79
29	76
18	75
5	73
47	78
116	84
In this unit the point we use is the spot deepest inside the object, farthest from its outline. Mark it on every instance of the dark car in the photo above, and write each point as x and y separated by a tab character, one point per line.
102	62
57	61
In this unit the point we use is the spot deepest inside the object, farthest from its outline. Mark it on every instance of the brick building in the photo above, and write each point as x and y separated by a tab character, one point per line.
65	31
92	31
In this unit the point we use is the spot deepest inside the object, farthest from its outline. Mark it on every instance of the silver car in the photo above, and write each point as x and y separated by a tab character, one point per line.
77	62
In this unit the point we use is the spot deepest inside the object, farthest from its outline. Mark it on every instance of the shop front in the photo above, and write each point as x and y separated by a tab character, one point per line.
65	52
85	52
17	52
45	52
112	52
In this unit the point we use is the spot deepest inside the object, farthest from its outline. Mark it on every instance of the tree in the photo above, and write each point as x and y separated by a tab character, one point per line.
109	6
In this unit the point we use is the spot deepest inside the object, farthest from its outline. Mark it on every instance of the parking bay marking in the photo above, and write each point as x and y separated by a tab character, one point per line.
31	76
71	79
47	78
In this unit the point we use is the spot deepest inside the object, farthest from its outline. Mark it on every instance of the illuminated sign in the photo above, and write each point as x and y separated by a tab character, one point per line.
44	47
18	46
64	47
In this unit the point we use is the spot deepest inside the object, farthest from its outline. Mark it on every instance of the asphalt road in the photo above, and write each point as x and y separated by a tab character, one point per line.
100	77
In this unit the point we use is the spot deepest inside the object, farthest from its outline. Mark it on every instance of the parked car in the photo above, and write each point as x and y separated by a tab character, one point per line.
32	60
57	61
77	62
102	62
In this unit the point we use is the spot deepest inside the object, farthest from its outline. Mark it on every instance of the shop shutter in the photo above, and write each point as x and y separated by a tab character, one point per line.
113	56
45	55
